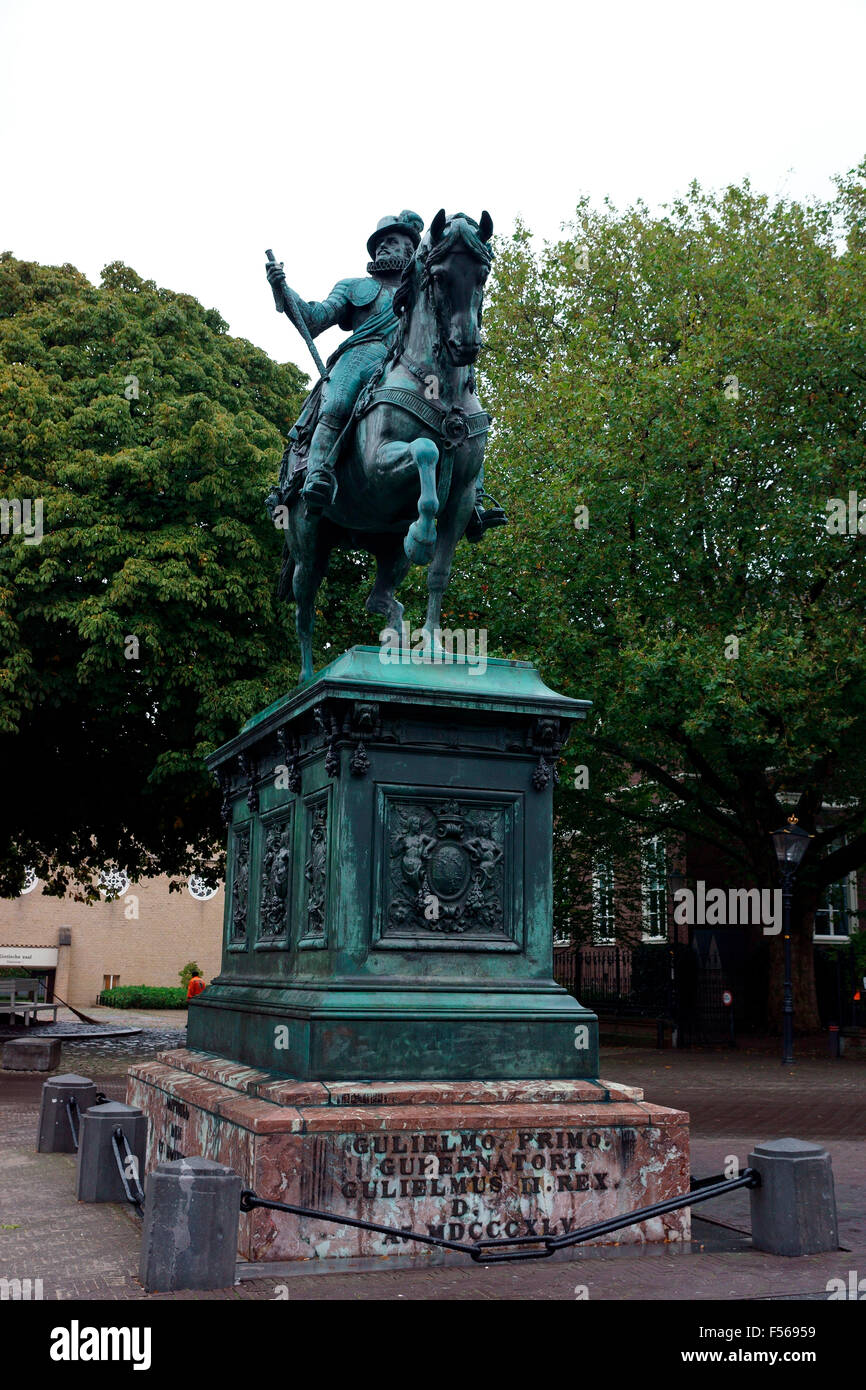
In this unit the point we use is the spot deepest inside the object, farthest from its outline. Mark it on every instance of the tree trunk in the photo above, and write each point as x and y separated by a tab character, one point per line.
806	1016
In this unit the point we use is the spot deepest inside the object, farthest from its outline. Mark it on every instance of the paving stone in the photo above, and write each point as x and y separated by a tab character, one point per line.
736	1099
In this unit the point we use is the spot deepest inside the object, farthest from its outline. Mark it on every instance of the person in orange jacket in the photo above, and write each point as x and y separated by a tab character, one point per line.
195	986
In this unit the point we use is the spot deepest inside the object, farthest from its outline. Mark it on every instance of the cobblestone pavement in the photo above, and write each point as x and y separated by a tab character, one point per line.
735	1099
91	1055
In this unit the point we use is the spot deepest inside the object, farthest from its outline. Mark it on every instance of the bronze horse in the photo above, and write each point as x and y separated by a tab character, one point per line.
413	451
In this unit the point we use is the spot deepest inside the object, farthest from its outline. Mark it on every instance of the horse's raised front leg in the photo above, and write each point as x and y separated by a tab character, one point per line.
420	541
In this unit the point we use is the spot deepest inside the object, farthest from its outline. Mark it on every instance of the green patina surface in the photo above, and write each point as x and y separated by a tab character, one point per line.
389	888
502	685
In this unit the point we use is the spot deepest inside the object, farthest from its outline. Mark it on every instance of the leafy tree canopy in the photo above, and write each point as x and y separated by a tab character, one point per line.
697	381
142	629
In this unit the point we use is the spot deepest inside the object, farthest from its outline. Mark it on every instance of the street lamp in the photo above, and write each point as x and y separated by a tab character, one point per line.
790	843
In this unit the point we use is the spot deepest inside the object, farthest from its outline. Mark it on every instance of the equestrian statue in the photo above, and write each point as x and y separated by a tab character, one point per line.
387	454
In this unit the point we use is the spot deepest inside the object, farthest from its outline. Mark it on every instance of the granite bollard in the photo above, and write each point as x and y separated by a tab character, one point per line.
55	1132
794	1209
98	1174
191	1216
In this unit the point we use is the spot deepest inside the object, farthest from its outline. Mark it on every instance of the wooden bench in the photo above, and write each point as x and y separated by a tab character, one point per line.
30	1010
18	996
631	1024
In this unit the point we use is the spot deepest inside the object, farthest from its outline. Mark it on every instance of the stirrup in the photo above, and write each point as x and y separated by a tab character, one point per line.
483	519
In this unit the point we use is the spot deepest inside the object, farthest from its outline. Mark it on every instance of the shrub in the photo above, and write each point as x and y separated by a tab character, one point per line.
143	997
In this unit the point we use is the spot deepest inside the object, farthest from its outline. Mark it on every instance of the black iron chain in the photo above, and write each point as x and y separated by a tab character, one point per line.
483	1251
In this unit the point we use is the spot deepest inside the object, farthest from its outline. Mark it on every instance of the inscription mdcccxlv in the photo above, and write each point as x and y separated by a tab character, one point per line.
461	1166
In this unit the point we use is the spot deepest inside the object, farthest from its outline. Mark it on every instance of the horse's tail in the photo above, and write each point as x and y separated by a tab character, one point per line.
287	574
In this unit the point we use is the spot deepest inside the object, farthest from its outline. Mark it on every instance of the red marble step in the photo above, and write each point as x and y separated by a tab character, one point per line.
465	1171
278	1090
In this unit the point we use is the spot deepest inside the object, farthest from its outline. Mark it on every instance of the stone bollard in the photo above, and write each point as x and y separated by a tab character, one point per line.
55	1134
794	1209
191	1216
98	1176
31	1054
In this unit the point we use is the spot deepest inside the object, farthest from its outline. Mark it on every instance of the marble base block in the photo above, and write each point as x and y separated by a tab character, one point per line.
464	1160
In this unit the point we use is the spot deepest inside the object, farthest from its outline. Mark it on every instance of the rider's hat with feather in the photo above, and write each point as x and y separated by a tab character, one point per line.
408	222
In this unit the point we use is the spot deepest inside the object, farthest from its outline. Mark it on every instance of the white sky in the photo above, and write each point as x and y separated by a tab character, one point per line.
183	138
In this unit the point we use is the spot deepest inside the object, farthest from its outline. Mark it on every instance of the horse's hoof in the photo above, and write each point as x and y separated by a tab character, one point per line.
420	552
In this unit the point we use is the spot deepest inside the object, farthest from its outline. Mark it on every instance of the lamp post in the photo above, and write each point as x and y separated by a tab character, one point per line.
675	883
790	843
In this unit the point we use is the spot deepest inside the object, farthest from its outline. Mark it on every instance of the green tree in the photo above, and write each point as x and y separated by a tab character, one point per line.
697	381
142	629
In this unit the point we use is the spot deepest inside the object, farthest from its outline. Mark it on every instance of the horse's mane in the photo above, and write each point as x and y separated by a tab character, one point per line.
407	290
459	227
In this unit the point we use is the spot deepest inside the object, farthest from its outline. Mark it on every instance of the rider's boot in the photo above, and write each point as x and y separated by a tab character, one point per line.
483	518
320	484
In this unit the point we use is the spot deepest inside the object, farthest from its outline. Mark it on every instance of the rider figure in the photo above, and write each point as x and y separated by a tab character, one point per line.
363	305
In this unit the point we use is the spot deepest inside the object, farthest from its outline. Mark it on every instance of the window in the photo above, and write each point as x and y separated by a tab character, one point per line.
654	889
30	881
835	915
603	918
110	981
199	890
835	909
113	883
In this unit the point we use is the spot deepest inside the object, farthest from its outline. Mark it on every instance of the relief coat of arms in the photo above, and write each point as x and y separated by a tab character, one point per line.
446	869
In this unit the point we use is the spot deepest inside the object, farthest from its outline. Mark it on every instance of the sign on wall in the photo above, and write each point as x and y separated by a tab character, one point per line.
35	956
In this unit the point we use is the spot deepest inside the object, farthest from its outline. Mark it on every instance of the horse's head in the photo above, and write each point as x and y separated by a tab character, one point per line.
450	268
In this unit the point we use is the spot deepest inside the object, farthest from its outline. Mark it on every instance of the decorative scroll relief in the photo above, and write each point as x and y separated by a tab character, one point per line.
276	877
240	884
316	871
447	868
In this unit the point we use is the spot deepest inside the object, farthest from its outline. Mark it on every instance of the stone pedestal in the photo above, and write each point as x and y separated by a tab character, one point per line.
389	884
385	1039
462	1160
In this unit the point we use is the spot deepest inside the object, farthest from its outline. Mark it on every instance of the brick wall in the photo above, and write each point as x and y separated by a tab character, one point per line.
171	929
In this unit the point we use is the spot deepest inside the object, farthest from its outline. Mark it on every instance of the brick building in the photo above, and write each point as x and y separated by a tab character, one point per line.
638	957
142	936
